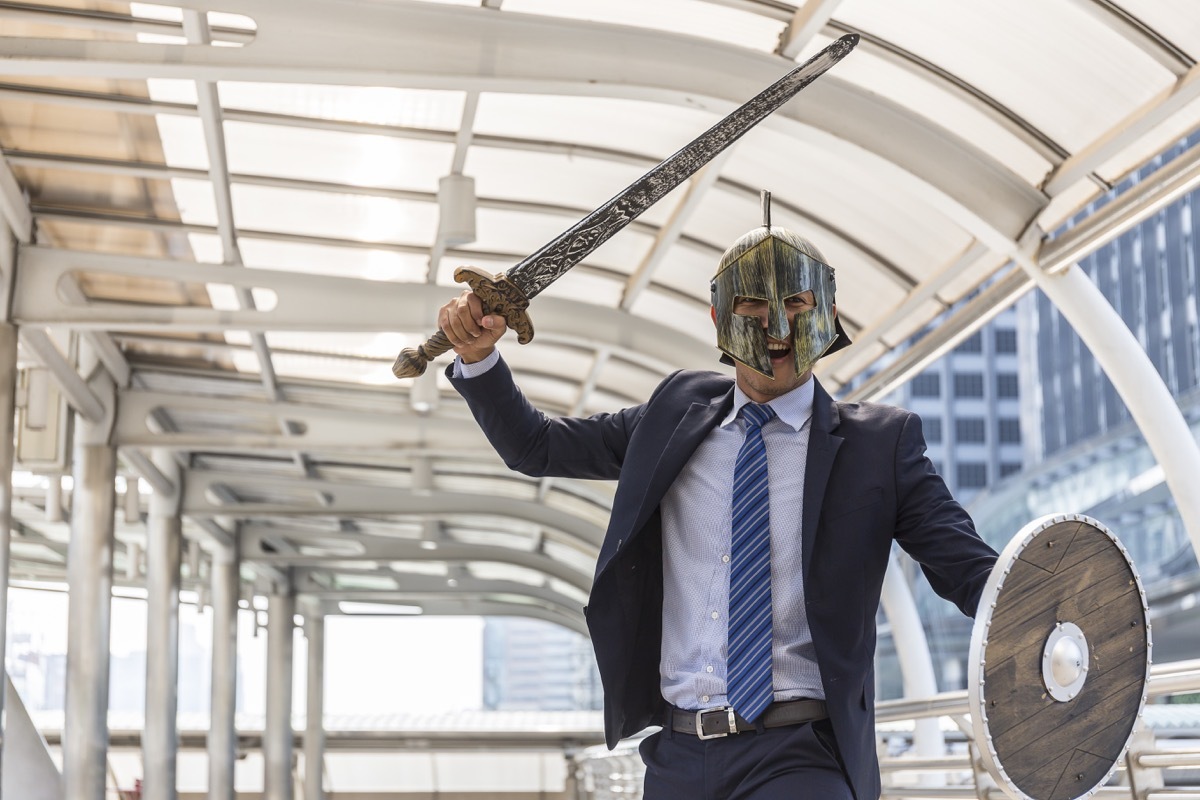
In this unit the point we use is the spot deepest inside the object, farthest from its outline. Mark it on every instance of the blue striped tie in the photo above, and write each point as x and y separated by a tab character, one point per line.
749	653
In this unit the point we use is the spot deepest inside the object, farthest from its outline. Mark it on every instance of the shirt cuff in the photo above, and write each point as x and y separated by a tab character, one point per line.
464	370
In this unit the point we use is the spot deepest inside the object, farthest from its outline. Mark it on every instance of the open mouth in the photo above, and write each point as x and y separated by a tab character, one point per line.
778	351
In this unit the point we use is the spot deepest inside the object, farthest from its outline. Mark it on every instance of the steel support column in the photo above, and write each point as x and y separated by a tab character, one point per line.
912	649
8	391
222	736
314	708
277	738
1136	380
159	740
89	582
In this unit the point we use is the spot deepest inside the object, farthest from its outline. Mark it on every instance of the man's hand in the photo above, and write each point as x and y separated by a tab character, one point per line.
473	333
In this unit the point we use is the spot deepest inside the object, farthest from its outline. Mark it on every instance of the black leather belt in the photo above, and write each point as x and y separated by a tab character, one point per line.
711	723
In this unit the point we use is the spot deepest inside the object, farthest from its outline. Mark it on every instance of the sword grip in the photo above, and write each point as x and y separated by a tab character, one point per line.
498	295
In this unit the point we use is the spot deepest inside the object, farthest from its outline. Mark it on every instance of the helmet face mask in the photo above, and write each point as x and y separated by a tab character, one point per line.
774	264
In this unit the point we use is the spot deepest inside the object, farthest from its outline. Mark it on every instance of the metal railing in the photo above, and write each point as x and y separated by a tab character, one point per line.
1145	773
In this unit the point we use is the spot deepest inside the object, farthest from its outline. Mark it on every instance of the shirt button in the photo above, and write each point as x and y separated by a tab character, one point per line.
704	699
725	558
708	668
715	615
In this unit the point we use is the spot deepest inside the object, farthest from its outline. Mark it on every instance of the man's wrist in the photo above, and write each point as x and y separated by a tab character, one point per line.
463	369
476	357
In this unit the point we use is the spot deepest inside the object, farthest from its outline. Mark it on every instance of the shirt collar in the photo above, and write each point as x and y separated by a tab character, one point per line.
794	408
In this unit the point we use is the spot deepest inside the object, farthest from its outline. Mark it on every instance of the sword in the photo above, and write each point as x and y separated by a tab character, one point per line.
508	293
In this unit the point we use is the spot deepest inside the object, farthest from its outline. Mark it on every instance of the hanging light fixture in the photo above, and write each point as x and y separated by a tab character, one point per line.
456	205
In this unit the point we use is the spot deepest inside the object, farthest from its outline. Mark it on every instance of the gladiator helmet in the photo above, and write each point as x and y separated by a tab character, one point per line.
773	264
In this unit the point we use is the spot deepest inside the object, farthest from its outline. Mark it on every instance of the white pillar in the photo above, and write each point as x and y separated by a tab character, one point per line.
160	737
8	391
278	735
314	707
912	648
1136	380
222	735
89	583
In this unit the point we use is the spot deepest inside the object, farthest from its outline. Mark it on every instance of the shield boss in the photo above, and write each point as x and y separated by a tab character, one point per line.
1060	656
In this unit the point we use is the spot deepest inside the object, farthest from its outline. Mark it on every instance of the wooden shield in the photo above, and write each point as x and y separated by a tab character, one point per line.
1060	656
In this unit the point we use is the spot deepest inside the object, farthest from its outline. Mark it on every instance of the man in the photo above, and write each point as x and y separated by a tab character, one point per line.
736	589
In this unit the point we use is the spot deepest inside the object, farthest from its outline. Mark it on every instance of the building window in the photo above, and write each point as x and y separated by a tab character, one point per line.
927	384
972	475
1006	340
970	429
933	429
1010	431
1007	385
1008	468
968	384
972	344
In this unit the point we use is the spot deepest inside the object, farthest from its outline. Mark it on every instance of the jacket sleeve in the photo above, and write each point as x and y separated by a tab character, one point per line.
934	529
534	444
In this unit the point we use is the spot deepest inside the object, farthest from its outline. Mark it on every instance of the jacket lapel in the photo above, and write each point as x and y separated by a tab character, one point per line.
822	449
697	421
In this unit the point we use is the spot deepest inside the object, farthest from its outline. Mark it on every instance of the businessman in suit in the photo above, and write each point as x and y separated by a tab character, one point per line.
736	589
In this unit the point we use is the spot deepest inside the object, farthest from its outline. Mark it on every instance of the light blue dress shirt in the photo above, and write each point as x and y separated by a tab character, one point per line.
697	533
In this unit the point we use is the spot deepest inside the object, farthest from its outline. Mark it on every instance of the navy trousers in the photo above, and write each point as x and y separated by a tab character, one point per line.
795	762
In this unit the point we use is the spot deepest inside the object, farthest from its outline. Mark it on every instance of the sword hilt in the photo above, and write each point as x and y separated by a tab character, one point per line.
498	295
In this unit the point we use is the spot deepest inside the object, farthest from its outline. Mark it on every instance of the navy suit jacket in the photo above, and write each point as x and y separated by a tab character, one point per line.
867	483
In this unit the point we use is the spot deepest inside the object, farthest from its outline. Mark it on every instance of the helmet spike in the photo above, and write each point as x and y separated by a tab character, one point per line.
766	208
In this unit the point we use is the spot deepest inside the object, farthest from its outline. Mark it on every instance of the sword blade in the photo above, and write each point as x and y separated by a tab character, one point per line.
556	257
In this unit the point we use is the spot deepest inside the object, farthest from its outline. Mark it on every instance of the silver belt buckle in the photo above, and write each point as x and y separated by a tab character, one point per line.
700	722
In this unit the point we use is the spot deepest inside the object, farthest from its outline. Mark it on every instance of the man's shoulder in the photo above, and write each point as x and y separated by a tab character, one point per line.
873	415
704	383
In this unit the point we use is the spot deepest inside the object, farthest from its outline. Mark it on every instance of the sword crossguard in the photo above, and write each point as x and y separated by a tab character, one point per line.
498	295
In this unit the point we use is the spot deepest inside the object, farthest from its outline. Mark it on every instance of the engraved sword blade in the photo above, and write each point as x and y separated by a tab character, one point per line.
509	293
542	268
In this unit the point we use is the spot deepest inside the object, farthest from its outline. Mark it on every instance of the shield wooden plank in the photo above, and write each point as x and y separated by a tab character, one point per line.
1060	657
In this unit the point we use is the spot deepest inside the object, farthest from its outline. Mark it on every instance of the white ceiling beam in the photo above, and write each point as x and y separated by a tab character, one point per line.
309	496
462	142
818	227
1168	183
847	362
415	587
17	213
809	20
195	26
431	46
251	536
1134	126
146	469
303	305
74	388
1129	27
670	233
325	429
110	22
13	205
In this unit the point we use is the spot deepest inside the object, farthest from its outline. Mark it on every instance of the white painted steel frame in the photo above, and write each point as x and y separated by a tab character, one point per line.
164	534
8	394
314	708
278	735
222	738
89	614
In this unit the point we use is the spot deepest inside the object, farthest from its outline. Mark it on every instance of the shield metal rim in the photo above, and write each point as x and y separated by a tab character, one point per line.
977	661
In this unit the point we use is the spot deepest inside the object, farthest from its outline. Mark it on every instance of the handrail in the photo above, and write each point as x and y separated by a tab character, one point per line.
1165	679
